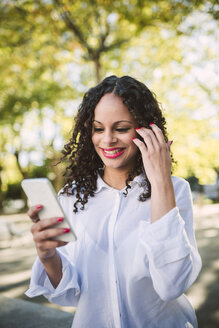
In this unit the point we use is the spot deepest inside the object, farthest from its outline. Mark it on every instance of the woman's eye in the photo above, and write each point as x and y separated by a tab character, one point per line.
98	129
122	130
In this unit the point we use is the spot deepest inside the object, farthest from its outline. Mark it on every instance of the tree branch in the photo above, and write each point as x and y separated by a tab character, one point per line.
65	14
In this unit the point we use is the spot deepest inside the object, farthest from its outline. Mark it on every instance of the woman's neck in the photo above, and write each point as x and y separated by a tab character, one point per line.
115	178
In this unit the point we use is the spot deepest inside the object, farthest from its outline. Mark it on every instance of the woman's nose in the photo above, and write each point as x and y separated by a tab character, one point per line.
109	137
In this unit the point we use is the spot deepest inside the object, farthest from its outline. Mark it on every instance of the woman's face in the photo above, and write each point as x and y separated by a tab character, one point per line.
112	133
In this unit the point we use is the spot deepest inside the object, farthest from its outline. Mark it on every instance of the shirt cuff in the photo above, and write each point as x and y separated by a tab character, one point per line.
165	240
41	285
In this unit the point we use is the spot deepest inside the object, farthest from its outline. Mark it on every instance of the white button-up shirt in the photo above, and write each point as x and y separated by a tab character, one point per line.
124	271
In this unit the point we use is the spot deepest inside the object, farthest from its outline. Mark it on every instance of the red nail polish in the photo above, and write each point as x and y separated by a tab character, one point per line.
133	138
60	219
150	123
39	206
66	230
138	128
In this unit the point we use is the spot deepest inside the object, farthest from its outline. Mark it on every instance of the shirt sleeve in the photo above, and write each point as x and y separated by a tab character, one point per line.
67	292
170	246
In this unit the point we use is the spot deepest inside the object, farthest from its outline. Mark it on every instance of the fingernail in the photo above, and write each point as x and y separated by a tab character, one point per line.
138	128
39	206
150	123
171	142
66	230
60	219
133	138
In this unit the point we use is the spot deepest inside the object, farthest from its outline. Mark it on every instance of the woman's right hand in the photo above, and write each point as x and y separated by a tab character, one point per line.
43	232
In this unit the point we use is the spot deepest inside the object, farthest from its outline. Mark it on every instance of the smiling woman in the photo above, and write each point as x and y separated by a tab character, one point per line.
135	253
124	103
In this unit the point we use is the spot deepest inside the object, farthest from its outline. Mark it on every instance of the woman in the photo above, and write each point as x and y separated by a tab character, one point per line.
136	253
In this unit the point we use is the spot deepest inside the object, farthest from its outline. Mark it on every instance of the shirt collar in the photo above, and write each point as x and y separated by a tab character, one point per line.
138	180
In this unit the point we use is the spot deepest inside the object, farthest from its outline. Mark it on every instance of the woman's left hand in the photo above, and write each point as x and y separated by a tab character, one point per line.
155	154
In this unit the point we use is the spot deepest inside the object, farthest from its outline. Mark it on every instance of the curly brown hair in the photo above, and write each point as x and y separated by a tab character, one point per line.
85	165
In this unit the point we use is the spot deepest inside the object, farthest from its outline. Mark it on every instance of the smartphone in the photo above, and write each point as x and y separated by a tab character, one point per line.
40	191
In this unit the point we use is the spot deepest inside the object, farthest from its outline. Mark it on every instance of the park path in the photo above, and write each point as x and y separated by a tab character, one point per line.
17	254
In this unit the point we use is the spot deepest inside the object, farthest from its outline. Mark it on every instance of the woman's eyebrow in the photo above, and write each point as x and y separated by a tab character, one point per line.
117	122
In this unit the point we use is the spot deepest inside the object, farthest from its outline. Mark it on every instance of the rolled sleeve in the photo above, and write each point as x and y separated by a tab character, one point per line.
170	247
165	240
68	290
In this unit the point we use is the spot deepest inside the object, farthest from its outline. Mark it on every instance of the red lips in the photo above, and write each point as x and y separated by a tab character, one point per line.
113	155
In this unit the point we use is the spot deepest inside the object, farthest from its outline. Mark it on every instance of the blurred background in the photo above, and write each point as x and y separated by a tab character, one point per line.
52	51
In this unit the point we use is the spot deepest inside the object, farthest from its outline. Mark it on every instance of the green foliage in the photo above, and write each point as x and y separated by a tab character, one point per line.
30	65
14	191
52	51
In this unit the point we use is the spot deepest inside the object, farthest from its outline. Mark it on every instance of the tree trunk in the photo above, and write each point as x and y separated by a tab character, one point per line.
97	66
23	173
